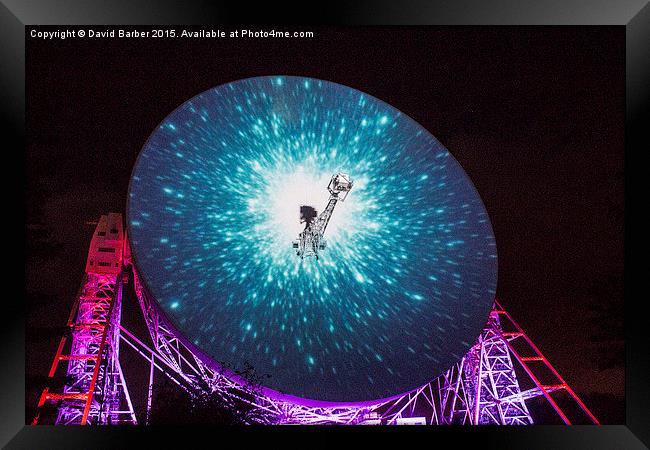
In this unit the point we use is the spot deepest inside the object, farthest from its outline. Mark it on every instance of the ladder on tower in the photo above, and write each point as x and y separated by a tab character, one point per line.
485	386
85	383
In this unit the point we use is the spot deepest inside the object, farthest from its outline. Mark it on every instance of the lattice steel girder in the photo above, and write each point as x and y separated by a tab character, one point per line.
498	398
481	389
453	402
94	390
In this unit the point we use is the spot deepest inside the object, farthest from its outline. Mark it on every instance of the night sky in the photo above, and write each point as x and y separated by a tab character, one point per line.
533	115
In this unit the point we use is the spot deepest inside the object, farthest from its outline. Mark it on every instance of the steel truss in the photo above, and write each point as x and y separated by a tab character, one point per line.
486	373
482	388
94	389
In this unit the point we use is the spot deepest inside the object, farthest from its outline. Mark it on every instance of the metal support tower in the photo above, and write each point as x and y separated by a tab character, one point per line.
92	390
496	397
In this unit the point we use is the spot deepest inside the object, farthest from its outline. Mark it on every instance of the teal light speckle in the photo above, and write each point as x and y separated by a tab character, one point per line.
409	272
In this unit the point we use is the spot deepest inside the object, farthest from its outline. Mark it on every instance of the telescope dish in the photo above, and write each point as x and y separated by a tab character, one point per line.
399	294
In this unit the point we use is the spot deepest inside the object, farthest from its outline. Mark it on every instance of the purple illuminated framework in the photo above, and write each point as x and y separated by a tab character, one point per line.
90	388
482	388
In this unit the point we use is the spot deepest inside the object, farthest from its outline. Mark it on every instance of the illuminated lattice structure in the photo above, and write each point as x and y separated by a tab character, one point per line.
401	295
95	391
93	387
487	373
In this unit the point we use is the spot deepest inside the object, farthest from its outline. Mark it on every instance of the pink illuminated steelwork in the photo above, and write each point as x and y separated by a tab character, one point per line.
94	390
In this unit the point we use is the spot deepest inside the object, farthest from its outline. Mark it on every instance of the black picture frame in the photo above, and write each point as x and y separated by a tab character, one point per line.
633	15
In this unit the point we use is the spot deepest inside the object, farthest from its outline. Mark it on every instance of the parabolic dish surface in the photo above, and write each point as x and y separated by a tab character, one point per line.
407	279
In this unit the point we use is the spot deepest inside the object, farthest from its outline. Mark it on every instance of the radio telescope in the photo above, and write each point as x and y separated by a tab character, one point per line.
401	297
410	273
